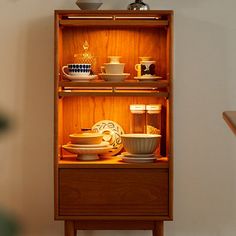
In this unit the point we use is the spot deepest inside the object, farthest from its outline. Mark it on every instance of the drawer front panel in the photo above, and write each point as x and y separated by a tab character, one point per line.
113	192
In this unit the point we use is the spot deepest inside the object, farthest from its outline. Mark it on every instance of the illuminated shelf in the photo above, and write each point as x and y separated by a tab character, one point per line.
125	22
109	18
128	83
101	88
70	161
144	93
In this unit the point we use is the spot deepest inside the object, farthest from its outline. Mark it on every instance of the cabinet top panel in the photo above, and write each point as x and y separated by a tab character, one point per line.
154	18
120	12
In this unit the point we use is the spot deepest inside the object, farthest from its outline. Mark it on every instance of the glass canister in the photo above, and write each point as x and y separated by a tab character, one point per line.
153	119
138	119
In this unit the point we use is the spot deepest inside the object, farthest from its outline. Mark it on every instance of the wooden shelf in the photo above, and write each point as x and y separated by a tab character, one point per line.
93	21
101	88
70	161
128	83
114	18
230	119
144	93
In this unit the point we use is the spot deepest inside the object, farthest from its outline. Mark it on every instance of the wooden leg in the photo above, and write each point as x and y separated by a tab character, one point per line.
158	229
70	229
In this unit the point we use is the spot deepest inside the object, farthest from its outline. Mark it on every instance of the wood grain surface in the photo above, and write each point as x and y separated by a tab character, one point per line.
113	192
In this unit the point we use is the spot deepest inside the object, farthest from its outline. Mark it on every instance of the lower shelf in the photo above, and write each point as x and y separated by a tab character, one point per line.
70	161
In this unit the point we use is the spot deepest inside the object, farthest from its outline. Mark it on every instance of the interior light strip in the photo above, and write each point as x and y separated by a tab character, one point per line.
115	17
91	17
137	17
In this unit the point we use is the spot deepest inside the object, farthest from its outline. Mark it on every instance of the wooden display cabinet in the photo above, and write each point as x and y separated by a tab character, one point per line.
111	194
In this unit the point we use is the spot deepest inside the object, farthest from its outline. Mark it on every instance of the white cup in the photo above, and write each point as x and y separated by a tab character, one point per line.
112	68
114	59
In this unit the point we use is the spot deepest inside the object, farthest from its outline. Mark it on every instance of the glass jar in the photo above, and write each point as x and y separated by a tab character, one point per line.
138	119
153	119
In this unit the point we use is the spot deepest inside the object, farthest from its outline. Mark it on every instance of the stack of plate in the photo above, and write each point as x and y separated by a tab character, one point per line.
138	158
88	146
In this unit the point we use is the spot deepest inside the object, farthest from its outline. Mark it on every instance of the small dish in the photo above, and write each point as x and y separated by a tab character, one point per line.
114	77
111	132
80	78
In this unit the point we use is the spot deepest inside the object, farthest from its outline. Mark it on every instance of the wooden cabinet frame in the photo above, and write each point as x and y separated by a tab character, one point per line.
109	194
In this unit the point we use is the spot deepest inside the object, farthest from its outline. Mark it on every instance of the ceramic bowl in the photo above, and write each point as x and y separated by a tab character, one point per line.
140	143
88	5
86	138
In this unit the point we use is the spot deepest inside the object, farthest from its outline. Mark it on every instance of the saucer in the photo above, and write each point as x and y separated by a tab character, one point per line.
114	77
148	78
137	159
149	155
80	78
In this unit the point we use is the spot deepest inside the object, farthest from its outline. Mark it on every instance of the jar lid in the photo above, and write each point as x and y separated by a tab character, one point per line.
137	107
153	107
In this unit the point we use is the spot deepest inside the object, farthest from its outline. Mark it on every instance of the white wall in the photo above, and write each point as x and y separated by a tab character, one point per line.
205	83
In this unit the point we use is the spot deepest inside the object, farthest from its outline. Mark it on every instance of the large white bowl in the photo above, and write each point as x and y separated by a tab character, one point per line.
140	143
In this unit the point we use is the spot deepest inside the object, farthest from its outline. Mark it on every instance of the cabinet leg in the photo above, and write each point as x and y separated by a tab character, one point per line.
70	229
158	229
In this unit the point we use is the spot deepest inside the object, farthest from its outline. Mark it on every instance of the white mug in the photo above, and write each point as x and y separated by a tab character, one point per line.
147	68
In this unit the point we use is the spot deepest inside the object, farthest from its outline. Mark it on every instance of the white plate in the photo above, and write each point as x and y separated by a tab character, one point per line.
114	77
77	150
126	154
80	78
148	78
138	159
102	144
111	133
88	154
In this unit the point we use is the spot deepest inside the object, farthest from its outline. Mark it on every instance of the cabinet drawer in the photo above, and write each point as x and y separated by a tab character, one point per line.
113	192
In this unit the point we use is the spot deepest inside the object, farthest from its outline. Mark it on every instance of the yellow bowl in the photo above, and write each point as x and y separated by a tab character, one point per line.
86	138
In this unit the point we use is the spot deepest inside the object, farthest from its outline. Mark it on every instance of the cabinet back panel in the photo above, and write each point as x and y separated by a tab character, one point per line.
84	112
129	43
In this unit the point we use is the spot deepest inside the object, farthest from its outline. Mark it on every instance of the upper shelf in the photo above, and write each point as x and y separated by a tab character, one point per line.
95	21
106	88
114	18
128	83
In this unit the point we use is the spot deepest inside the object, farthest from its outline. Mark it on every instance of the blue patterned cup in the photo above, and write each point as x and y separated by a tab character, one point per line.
76	69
